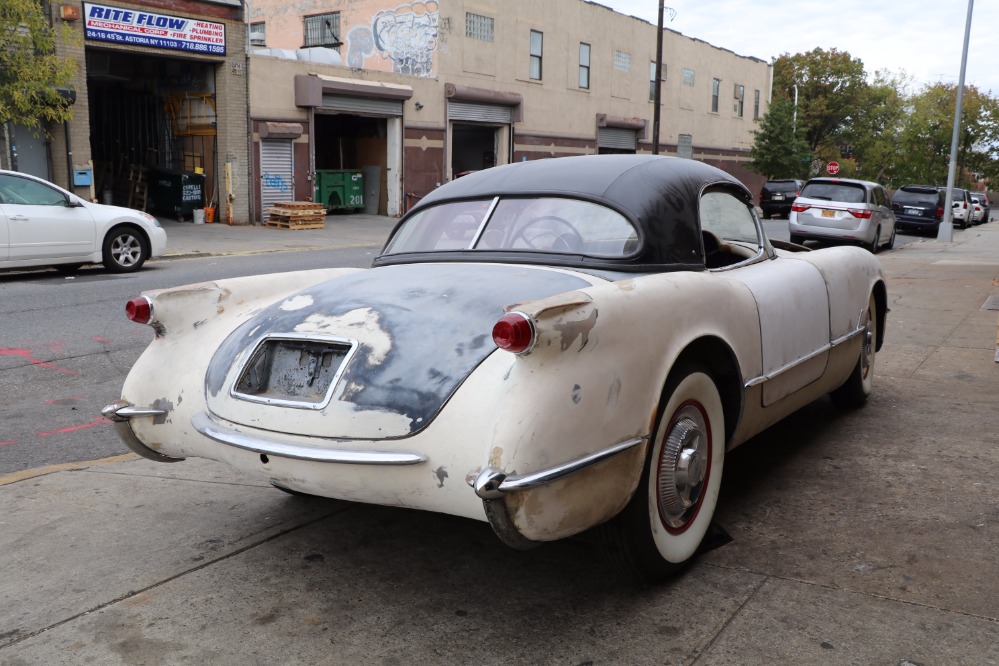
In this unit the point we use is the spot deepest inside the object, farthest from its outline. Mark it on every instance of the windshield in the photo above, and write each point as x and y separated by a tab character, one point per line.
545	224
842	192
916	196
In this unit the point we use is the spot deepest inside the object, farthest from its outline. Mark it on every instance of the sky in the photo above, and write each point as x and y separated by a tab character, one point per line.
922	38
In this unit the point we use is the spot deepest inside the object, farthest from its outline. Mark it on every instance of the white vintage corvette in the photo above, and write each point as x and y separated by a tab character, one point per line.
549	346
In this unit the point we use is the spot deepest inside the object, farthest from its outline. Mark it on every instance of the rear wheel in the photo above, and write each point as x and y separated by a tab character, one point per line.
875	244
124	251
797	239
659	531
856	389
891	241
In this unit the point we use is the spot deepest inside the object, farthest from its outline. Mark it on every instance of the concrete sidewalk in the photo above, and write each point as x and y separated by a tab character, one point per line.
865	537
186	239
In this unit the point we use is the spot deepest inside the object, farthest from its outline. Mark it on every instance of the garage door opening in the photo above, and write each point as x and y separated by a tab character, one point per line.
473	148
152	132
348	145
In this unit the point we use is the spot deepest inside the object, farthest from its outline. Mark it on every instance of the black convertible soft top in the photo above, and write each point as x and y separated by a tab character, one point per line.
658	194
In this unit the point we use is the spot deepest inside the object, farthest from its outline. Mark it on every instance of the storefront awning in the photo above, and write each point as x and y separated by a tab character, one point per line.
310	88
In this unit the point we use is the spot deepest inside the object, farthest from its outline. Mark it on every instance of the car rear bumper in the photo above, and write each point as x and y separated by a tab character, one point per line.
863	233
919	223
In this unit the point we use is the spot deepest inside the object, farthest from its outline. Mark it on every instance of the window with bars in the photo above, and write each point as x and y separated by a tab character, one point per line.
584	66
258	34
688	77
622	61
715	90
323	30
537	44
479	27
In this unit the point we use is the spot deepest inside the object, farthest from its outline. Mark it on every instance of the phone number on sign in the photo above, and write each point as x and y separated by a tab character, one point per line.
216	49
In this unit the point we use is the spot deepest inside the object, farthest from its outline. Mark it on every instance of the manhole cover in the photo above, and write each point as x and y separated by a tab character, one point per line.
991	303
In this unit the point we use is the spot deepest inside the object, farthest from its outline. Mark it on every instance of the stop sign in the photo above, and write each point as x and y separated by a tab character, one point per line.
832	168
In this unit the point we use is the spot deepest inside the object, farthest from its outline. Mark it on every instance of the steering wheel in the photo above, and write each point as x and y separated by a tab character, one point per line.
551	240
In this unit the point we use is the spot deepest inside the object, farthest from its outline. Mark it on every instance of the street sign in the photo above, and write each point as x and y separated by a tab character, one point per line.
832	168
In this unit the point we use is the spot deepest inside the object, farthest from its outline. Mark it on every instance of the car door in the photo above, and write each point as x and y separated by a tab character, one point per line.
4	236
40	222
791	297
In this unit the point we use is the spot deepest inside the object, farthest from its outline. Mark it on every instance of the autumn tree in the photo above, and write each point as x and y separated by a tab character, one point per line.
776	151
30	70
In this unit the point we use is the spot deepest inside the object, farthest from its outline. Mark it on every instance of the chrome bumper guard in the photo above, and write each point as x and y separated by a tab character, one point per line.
120	413
205	425
492	483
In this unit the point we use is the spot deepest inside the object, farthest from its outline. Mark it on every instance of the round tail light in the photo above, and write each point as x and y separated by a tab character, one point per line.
139	310
514	332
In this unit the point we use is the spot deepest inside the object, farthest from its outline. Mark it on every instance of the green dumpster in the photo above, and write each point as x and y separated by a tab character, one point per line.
339	189
176	193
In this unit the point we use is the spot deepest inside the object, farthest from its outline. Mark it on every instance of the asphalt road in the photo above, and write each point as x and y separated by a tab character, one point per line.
66	346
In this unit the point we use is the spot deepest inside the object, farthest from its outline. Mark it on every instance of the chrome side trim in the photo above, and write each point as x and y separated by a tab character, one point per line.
122	410
492	483
808	357
212	430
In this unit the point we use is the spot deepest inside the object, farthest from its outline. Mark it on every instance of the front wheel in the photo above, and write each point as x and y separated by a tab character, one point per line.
855	390
124	251
661	528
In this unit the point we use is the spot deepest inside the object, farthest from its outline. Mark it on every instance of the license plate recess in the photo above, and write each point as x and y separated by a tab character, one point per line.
294	372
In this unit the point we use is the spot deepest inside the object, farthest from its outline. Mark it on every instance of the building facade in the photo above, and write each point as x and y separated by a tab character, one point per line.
160	110
414	94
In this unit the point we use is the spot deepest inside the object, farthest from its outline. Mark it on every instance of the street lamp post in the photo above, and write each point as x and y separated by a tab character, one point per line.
659	85
946	231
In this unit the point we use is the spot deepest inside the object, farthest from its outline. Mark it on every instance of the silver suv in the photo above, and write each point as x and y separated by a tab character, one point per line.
843	209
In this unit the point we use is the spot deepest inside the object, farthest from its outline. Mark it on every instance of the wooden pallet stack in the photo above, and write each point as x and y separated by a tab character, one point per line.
297	215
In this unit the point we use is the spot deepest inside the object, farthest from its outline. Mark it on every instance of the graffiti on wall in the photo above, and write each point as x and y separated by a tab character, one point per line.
406	36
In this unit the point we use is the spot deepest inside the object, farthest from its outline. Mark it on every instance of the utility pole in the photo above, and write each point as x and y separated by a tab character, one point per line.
659	82
946	231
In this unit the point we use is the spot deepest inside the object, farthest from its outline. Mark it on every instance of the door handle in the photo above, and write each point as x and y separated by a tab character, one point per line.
19	218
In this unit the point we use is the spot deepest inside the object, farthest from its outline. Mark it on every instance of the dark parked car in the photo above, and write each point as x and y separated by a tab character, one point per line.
777	196
918	207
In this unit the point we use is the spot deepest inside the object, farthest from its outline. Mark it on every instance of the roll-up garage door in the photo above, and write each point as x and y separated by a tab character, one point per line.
617	137
483	113
363	105
277	179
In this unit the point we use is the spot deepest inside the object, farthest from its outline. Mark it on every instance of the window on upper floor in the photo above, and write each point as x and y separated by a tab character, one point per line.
537	47
652	79
479	27
622	61
584	66
688	77
715	91
258	34
323	30
756	104
740	99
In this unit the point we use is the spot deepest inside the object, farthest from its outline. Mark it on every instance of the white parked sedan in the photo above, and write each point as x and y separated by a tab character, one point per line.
548	346
44	225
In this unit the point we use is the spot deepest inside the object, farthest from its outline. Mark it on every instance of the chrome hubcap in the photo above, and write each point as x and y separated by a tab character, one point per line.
683	466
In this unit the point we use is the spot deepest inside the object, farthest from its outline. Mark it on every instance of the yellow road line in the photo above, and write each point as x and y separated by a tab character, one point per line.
62	467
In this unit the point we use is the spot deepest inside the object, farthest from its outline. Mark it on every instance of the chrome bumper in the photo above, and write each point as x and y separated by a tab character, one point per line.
121	412
205	425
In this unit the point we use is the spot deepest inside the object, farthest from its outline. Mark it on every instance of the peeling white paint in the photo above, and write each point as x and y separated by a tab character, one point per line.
362	324
298	302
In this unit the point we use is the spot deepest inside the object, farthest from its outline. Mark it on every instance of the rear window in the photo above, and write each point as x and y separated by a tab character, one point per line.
781	186
843	192
923	196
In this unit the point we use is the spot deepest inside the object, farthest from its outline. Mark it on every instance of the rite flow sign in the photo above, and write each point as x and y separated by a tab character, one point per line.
142	28
832	168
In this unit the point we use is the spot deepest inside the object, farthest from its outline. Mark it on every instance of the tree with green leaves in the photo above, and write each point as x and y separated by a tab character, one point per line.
777	152
30	70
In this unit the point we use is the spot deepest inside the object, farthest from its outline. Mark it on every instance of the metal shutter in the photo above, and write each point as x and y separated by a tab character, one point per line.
483	113
617	137
685	146
368	105
277	176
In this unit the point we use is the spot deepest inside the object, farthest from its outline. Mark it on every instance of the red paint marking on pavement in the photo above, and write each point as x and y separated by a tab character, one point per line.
60	401
60	431
100	339
26	355
7	443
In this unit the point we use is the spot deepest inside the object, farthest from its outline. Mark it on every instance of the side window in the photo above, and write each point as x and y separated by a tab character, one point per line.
729	229
16	190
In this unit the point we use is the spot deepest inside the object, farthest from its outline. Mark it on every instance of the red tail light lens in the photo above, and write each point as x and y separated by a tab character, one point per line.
939	211
862	214
139	310
799	208
514	332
